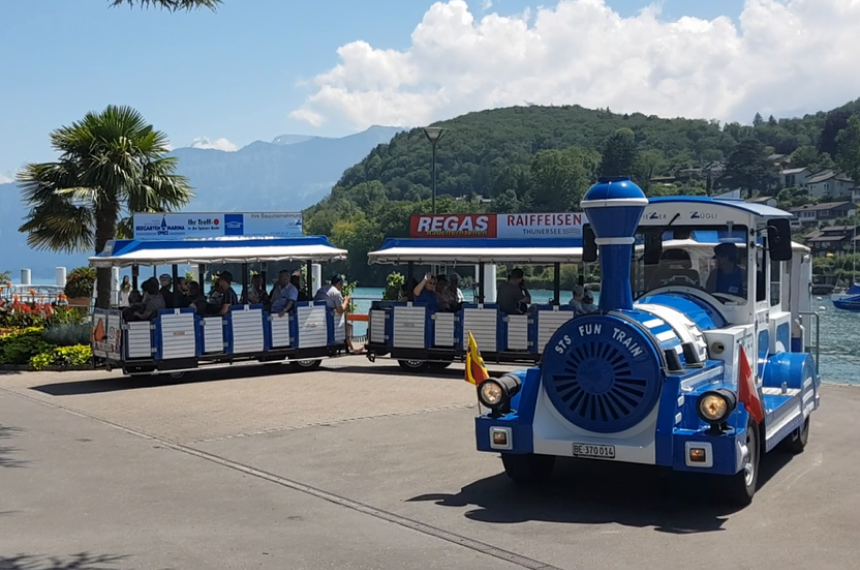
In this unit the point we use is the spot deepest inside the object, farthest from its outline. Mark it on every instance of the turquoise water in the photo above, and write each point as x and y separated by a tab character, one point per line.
840	330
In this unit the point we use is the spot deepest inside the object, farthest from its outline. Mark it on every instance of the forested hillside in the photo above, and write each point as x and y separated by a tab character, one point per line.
543	159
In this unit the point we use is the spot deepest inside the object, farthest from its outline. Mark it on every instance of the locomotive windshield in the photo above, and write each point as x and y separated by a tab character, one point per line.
709	259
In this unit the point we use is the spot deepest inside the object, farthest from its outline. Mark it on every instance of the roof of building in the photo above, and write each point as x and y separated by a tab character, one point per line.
761	199
793	171
825	206
828	238
826	175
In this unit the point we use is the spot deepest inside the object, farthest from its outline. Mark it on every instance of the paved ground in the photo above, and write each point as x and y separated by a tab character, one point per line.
362	467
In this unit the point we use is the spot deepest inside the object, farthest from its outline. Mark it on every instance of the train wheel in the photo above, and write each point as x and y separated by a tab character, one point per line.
796	442
177	375
305	365
740	488
528	468
413	365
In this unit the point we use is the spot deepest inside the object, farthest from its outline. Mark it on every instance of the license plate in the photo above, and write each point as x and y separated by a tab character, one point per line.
598	451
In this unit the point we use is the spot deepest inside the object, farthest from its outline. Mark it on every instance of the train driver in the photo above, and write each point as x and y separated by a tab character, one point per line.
728	278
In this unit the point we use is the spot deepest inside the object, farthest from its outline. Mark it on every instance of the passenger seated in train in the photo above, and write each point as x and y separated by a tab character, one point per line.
454	285
333	296
296	280
447	298
219	305
425	292
255	293
588	305
285	294
728	277
513	297
576	300
675	268
153	302
165	280
196	298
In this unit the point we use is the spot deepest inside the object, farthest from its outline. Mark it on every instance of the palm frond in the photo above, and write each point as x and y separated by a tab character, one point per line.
170	5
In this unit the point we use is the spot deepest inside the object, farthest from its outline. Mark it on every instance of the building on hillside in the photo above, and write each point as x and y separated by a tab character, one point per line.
764	200
829	183
831	239
855	195
810	215
779	161
794	177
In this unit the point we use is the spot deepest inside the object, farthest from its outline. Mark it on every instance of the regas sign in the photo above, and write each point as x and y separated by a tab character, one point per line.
453	225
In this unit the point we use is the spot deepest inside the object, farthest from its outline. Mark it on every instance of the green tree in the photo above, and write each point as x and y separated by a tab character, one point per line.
619	154
805	157
848	148
170	5
559	181
747	166
110	163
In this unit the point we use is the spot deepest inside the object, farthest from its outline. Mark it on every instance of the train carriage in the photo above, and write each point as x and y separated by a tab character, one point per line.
701	373
179	340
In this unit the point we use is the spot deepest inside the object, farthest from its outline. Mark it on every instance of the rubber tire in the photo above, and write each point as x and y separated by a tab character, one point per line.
299	367
796	442
177	375
737	490
421	367
528	469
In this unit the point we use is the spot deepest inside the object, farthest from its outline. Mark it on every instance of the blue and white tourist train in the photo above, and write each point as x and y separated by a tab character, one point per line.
709	369
183	339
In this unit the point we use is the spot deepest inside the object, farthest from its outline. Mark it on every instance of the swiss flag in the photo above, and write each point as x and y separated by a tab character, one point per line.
747	392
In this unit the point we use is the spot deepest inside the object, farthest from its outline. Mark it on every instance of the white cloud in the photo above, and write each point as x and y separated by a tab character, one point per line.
784	58
6	178
486	5
217	144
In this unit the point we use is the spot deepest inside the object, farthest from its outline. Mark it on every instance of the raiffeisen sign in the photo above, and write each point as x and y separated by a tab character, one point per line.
502	226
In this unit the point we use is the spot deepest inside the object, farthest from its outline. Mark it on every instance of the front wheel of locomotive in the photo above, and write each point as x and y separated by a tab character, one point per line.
528	469
741	488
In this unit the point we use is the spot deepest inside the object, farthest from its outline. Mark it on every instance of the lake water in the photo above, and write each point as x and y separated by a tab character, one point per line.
840	330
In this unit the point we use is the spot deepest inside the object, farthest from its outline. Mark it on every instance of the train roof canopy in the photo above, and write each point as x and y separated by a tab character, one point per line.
467	251
124	253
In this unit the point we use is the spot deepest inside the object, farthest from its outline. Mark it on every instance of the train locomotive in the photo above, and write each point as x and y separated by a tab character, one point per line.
685	377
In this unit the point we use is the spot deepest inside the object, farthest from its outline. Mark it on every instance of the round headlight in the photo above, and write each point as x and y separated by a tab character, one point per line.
713	407
491	393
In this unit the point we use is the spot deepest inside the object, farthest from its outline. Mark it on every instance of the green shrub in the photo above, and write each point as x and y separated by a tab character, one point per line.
64	356
19	347
392	288
79	282
67	334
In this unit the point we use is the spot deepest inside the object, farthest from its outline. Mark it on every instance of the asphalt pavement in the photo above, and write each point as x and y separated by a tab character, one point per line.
362	466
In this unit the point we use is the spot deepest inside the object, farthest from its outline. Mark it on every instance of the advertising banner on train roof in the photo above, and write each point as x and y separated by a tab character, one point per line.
503	226
191	225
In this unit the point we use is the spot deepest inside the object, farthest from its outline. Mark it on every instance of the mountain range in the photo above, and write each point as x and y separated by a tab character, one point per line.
288	174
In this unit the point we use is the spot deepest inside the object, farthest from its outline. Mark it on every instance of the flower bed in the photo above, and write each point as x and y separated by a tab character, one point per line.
42	335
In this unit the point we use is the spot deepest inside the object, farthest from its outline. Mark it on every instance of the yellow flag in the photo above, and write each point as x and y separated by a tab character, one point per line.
476	372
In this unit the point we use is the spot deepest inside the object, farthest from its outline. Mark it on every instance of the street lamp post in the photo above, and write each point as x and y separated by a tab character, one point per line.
433	135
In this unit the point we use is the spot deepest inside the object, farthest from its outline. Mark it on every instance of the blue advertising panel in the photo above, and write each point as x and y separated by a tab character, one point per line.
182	225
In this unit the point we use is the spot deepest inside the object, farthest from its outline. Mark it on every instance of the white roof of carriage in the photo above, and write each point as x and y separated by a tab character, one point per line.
124	253
467	251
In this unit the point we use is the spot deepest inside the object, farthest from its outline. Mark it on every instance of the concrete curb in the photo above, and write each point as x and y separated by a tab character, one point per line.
51	368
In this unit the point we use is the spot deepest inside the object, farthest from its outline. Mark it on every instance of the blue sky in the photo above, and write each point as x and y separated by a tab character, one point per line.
232	74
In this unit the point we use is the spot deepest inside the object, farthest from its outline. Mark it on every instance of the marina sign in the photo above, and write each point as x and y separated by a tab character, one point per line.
185	225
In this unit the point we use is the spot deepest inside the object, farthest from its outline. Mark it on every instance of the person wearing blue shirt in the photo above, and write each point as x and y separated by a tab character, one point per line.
425	292
728	278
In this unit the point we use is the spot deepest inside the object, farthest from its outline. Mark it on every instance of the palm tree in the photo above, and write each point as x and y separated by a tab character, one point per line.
111	163
171	5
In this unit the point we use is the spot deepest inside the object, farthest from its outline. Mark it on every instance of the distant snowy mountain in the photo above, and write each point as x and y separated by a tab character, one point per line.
291	173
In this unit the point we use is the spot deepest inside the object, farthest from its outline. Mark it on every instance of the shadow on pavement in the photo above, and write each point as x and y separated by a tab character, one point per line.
593	492
116	383
80	561
7	452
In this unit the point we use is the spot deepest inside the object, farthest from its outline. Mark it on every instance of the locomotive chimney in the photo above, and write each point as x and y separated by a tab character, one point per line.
614	207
